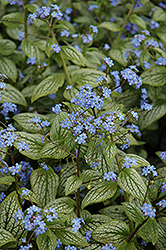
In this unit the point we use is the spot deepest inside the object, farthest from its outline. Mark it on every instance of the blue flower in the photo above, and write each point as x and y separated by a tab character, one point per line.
56	109
56	47
147	210
31	60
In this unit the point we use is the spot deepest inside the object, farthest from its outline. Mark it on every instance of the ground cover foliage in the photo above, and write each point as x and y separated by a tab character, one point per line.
82	125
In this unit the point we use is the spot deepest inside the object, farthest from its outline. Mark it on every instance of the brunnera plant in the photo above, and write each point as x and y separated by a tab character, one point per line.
82	84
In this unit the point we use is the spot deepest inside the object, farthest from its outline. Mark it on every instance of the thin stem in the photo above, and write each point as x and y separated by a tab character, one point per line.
37	178
124	24
1	151
147	190
63	61
78	190
62	148
25	19
136	229
45	37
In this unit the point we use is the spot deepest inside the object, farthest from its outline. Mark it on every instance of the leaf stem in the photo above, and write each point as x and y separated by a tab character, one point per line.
63	61
78	190
124	24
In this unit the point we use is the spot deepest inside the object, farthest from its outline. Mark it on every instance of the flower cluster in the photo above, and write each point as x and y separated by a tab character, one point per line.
34	219
138	39
94	28
133	128
44	166
148	170
108	61
41	124
110	176
161	61
2	197
52	96
132	78
23	146
15	169
108	247
56	48
44	12
147	210
31	60
162	203
116	77
86	38
59	243
163	155
77	224
7	136
56	109
2	83
144	105
129	163
163	187
21	35
25	172
133	28
8	107
88	235
70	248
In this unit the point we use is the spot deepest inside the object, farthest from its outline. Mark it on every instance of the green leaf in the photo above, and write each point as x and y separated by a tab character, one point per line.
7	47
48	86
90	174
11	94
68	237
94	221
48	49
86	76
146	118
100	193
30	197
160	51
8	209
30	49
5	237
138	21
133	212
118	56
62	205
94	154
144	57
72	183
45	185
34	142
110	151
149	231
115	212
7	180
115	232
50	150
32	7
12	20
24	120
159	15
71	53
155	76
57	132
126	246
131	182
110	26
68	170
140	161
47	240
8	68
